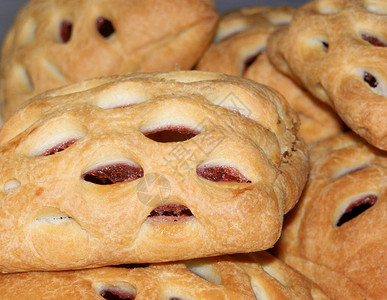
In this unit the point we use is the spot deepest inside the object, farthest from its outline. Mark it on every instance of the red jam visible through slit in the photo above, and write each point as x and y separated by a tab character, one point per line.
105	27
117	294
65	30
170	212
58	148
171	134
222	174
112	174
356	208
373	40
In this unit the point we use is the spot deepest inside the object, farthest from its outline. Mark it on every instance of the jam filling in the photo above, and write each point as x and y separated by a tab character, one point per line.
221	174
112	174
65	30
117	294
170	212
105	27
356	208
58	148
171	134
373	40
371	80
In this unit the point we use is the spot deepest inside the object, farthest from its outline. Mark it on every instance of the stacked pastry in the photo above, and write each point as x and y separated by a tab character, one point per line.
170	185
321	62
142	168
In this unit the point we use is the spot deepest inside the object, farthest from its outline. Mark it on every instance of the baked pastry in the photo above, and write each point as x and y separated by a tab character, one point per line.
336	235
241	36
336	50
158	167
243	276
239	49
54	42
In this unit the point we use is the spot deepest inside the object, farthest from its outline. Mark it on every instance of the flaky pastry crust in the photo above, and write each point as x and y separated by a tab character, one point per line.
239	49
242	276
87	180
337	51
56	42
339	226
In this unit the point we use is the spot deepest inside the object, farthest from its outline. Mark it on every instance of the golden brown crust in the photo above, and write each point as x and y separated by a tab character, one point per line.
243	276
238	49
60	220
148	36
242	35
318	120
337	51
347	175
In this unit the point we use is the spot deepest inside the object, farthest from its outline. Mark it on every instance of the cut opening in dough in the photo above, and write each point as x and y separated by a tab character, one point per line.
27	32
171	134
206	271
248	61
328	7
373	40
349	170
65	31
113	173
58	148
105	27
221	174
356	207
115	291
50	215
171	212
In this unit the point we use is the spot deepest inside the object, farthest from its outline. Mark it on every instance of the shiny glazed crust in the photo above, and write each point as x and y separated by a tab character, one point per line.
239	49
150	35
243	276
317	241
336	50
52	218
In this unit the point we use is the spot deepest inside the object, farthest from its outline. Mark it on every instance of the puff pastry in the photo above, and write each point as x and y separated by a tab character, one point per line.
143	168
56	42
239	49
336	50
338	229
242	276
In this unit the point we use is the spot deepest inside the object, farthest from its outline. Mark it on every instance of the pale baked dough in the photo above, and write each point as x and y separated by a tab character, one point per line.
337	51
239	49
345	171
53	218
242	276
149	35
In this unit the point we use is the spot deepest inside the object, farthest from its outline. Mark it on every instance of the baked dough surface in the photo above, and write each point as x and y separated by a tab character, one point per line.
58	42
84	183
337	51
239	49
242	276
338	228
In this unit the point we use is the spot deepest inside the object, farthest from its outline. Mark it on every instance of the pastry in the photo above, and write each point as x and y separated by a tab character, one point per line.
239	49
56	42
336	235
143	168
336	50
243	276
241	36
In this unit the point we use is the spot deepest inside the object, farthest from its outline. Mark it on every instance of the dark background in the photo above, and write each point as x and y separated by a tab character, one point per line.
9	8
